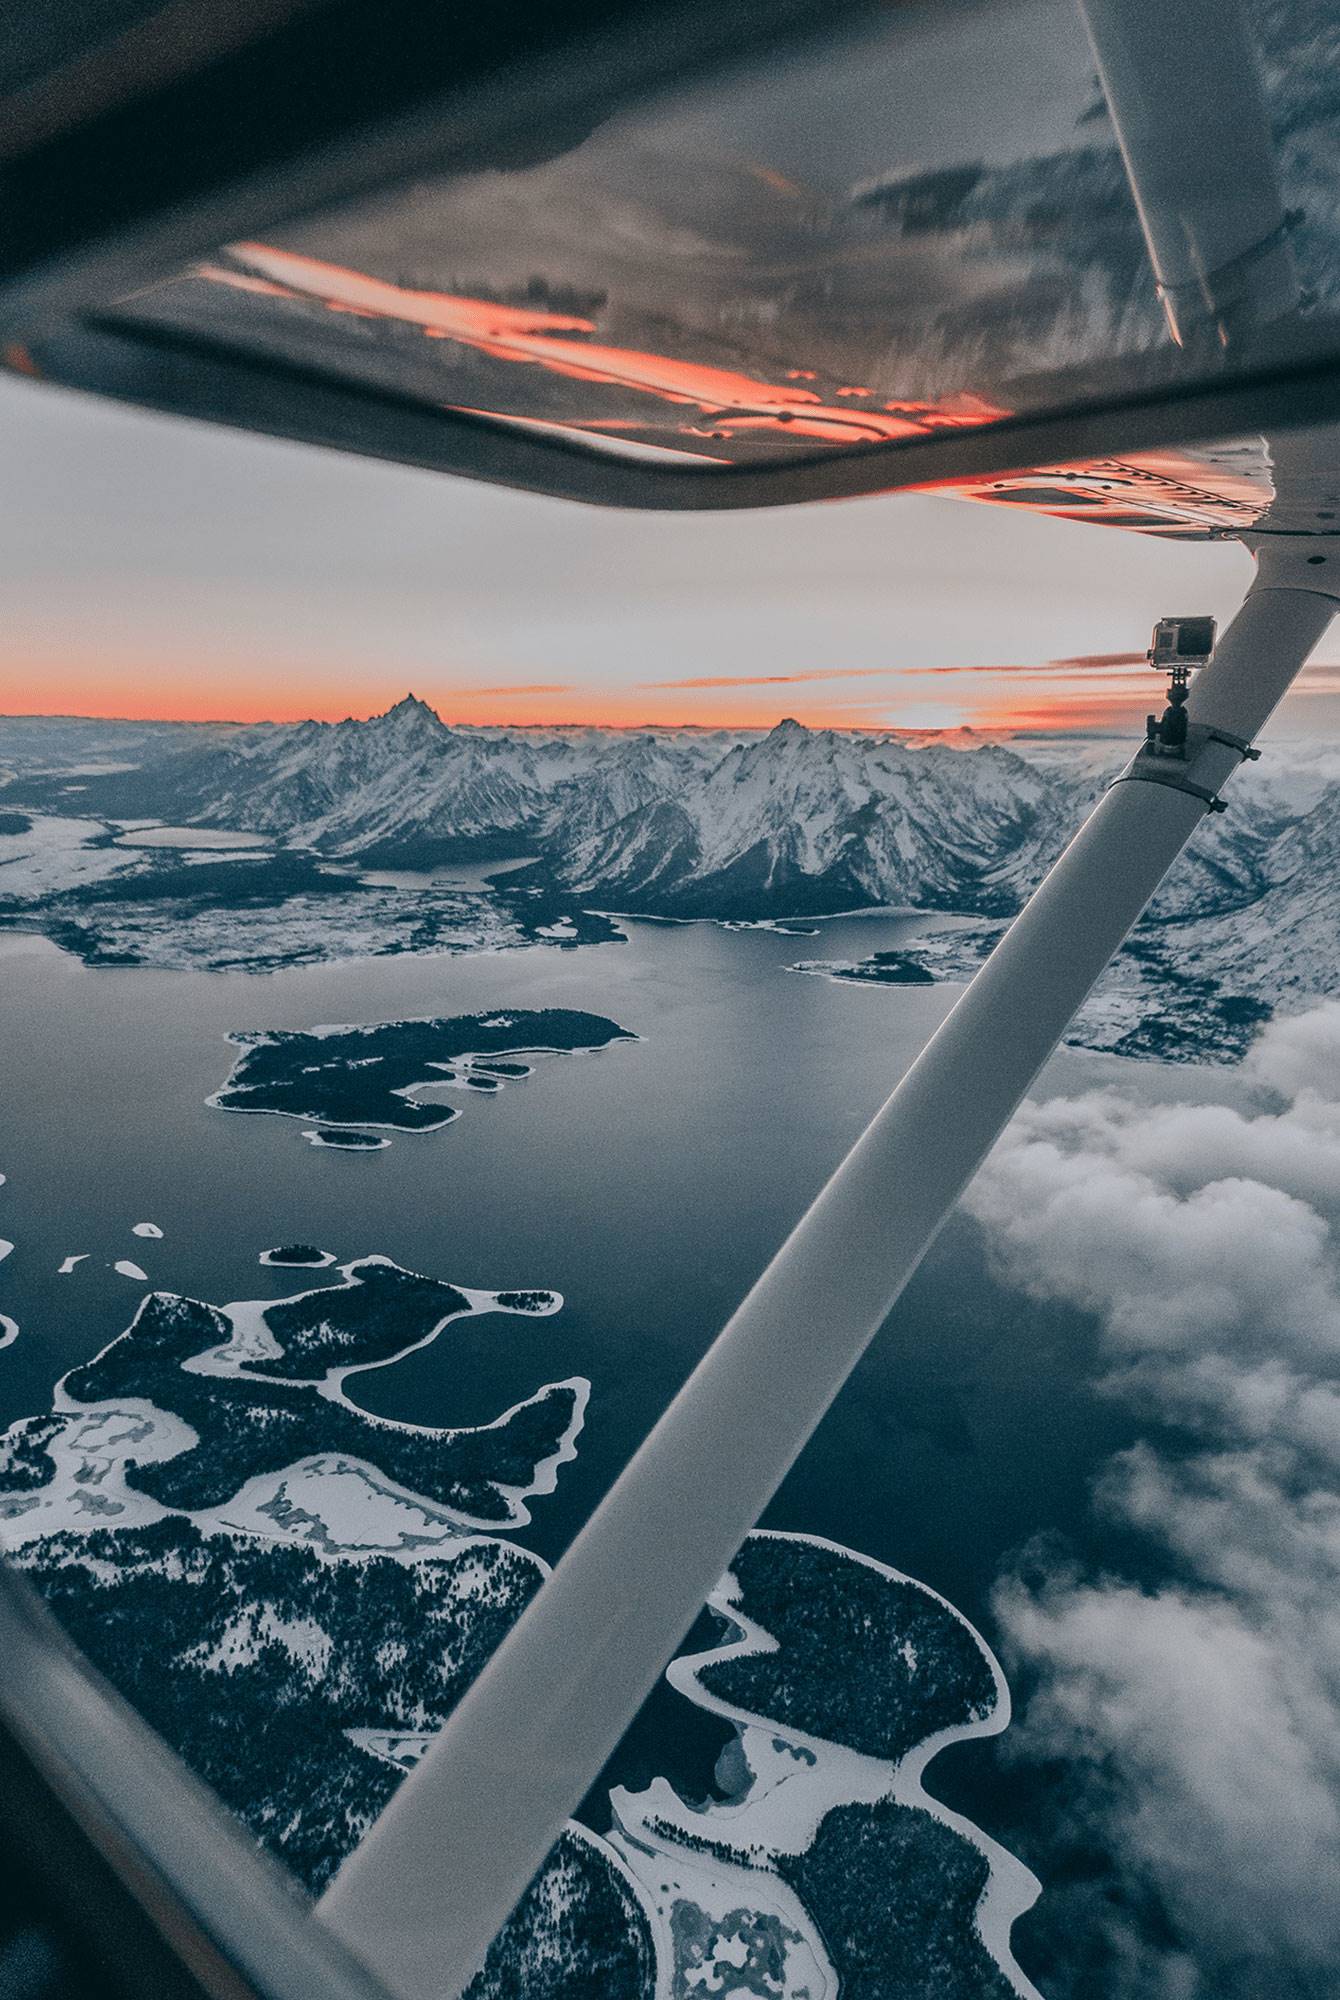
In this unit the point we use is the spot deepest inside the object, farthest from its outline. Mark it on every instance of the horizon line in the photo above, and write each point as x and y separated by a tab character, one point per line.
474	724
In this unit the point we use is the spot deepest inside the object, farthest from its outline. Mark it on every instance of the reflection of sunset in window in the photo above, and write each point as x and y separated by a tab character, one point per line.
736	404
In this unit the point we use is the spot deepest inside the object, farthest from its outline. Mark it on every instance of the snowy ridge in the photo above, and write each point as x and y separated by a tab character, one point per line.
683	820
803	821
679	824
400	785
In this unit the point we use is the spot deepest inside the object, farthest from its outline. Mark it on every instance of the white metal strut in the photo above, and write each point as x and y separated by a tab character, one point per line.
423	1896
436	1878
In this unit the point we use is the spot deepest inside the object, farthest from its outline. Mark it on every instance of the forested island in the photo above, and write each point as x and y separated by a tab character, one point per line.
366	1076
882	968
296	1594
825	1863
245	1425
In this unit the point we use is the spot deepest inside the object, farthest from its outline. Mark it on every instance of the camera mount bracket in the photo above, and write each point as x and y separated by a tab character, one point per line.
1150	767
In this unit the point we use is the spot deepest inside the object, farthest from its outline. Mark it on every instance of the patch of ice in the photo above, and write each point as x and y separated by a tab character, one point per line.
9	1330
146	1229
157	835
129	1270
90	1453
341	1506
56	854
315	1138
68	1264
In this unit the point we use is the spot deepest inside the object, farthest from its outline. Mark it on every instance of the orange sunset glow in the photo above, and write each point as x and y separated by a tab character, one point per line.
1059	695
155	570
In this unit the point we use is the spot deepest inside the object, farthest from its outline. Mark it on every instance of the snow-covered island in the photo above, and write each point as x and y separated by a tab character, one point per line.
249	1390
825	1868
882	968
295	1594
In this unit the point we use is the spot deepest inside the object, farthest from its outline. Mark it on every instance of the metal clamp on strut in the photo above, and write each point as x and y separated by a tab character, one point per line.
1176	781
1149	766
1247	751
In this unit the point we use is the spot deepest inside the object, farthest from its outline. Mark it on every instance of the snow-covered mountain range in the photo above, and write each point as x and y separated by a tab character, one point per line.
675	823
691	823
801	822
401	786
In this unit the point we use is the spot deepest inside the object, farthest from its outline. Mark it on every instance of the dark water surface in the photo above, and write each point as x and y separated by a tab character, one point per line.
648	1184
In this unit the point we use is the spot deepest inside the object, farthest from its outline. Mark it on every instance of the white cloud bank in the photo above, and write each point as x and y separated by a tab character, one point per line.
1204	1713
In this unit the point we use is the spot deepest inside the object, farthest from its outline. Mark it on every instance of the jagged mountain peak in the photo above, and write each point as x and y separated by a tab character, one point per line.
413	713
798	820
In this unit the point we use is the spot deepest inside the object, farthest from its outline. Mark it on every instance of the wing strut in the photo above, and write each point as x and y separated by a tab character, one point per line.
436	1878
1184	90
423	1896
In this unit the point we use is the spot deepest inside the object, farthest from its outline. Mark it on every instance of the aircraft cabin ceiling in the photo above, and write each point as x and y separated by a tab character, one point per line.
682	259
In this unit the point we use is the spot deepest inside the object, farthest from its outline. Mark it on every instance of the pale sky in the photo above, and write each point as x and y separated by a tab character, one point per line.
153	567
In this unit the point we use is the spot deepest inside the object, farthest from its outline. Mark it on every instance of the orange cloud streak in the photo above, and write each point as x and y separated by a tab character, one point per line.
1051	695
